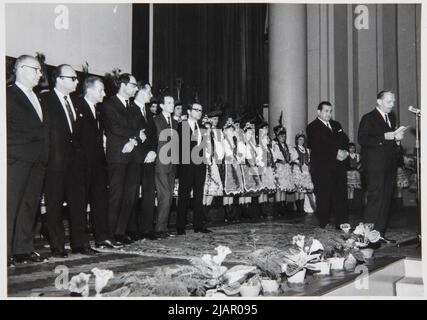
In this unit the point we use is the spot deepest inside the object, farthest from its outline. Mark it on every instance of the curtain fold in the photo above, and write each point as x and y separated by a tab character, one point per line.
219	51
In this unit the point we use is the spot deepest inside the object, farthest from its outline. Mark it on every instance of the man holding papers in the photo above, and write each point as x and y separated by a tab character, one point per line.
379	139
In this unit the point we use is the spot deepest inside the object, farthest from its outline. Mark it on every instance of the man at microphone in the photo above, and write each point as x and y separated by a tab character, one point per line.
379	142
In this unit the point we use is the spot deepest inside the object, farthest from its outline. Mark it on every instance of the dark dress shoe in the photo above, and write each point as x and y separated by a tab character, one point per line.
134	237
374	246
31	257
180	232
163	235
59	254
149	236
204	230
124	239
10	262
106	244
86	251
387	240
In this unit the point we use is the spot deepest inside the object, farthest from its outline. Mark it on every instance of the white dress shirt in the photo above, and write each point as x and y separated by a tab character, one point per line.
61	98
383	115
33	99
327	124
123	100
141	107
194	125
92	107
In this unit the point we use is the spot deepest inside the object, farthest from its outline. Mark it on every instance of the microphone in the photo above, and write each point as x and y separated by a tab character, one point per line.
414	110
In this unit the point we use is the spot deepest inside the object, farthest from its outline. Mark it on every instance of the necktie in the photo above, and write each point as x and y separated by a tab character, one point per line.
199	135
387	119
127	104
70	113
35	103
235	147
96	117
329	125
213	143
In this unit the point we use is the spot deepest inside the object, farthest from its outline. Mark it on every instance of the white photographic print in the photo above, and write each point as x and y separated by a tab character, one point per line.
199	151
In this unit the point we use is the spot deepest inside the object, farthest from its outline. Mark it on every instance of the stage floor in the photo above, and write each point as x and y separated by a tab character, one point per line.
146	256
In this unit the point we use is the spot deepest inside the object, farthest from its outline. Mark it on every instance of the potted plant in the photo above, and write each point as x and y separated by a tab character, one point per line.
299	257
363	235
251	288
269	260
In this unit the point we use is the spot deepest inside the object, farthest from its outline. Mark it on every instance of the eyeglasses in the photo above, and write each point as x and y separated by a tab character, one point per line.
198	110
134	84
69	77
35	68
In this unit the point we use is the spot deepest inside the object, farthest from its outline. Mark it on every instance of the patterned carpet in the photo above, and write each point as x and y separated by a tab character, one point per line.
242	239
146	256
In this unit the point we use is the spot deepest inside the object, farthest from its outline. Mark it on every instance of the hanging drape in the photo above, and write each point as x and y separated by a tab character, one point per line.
219	51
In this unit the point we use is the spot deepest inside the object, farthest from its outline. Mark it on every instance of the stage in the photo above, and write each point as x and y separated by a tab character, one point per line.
145	256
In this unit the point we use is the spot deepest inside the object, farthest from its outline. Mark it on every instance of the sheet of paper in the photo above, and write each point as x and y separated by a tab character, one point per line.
401	129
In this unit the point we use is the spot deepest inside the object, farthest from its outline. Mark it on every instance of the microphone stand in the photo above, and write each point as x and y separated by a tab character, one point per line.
416	240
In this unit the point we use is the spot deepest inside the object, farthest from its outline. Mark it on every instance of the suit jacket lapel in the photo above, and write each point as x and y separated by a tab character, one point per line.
24	99
324	127
89	112
61	110
380	118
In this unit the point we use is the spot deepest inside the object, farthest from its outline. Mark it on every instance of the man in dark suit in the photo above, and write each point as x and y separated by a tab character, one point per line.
328	144
142	225
192	171
96	176
379	159
166	162
121	125
65	171
27	150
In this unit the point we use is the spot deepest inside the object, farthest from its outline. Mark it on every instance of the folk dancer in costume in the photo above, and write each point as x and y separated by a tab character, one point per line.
402	179
233	179
251	177
267	166
354	180
300	157
214	156
285	183
239	134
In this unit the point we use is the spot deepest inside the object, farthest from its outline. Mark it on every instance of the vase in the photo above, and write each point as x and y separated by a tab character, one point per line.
250	290
213	293
269	286
350	263
324	267
298	277
367	253
336	263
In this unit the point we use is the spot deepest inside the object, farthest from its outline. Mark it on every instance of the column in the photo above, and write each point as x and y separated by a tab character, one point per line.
288	67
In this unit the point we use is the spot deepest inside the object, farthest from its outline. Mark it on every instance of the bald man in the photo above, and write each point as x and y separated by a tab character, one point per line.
65	171
27	150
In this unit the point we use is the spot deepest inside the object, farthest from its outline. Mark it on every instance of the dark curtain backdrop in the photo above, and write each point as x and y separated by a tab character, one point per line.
220	52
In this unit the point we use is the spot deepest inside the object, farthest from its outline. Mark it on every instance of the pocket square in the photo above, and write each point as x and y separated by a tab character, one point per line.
340	130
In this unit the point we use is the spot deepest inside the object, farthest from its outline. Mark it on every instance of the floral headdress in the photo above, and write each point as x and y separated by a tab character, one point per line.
300	134
248	126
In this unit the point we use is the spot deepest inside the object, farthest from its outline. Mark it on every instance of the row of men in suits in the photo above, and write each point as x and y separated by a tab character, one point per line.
52	147
329	148
56	146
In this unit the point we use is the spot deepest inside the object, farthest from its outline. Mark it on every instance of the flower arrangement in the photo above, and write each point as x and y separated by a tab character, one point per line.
365	234
101	279
79	285
251	288
210	266
301	256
